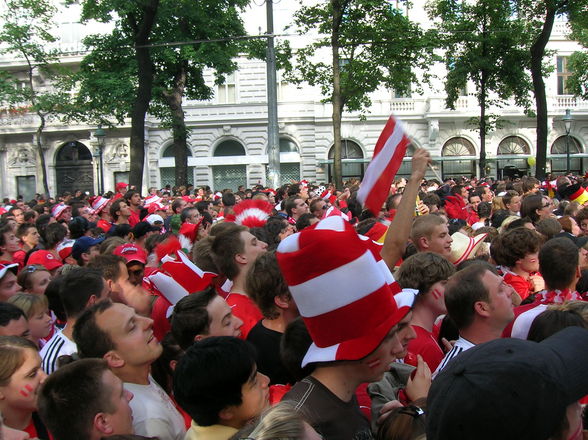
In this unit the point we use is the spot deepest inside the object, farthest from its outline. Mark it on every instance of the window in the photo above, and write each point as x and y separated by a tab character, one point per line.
559	149
513	145
26	187
458	147
229	176
227	93
562	76
351	158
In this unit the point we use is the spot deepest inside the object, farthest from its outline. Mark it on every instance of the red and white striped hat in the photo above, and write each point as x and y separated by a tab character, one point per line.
58	209
151	199
99	203
65	248
342	293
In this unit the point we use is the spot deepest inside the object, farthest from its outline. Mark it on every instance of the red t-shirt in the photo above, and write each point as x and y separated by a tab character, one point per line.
246	310
523	286
161	325
134	218
426	345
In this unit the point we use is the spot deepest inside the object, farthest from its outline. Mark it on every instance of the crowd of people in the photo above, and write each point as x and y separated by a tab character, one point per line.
459	311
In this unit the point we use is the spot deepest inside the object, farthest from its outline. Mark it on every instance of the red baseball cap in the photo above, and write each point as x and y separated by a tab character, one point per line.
44	258
131	252
121	185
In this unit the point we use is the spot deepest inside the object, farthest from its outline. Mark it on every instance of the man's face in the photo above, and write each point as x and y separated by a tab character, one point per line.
378	362
88	214
136	271
66	215
515	205
11	242
131	334
16	327
8	286
124	210
183	204
319	209
300	208
255	398
222	320
405	334
135	200
488	195
252	247
194	217
121	415
464	193
499	294
530	263
475	201
440	241
93	251
121	284
18	216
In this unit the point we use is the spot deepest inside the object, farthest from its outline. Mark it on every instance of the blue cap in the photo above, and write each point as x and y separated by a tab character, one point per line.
82	245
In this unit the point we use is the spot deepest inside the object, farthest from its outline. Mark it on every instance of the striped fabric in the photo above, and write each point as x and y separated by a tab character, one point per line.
388	154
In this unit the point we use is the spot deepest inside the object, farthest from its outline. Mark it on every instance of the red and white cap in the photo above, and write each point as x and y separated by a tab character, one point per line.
347	315
58	209
5	267
153	198
65	248
44	258
131	252
99	204
153	207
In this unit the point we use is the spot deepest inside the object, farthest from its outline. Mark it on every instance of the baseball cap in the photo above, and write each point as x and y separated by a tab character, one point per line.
509	388
154	219
44	258
121	185
82	245
131	252
6	267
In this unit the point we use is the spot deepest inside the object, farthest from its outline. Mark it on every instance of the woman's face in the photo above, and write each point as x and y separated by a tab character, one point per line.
39	281
21	391
575	228
40	325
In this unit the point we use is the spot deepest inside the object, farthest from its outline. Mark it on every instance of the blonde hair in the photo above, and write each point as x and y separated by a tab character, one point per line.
12	356
30	304
579	307
281	422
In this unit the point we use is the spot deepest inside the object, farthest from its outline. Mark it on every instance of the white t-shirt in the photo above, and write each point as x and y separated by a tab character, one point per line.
460	346
154	414
58	345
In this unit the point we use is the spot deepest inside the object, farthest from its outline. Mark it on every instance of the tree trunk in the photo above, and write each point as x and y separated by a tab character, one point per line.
41	154
537	54
174	102
482	102
336	98
144	91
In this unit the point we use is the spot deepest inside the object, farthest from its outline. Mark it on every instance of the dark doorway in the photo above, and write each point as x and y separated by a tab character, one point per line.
73	168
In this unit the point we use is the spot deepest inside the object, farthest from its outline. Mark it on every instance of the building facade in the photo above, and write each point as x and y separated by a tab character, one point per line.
228	135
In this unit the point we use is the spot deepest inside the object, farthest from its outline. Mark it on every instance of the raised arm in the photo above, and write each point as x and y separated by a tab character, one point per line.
399	229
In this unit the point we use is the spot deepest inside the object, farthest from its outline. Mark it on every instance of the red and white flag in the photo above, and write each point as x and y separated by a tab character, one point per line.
388	154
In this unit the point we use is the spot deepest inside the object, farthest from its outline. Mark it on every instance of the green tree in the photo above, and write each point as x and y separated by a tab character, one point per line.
179	69
484	44
371	45
25	33
540	16
125	76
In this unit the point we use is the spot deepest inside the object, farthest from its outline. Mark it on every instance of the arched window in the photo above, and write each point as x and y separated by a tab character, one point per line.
513	146
229	148
289	161
229	176
353	165
559	150
167	170
458	147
